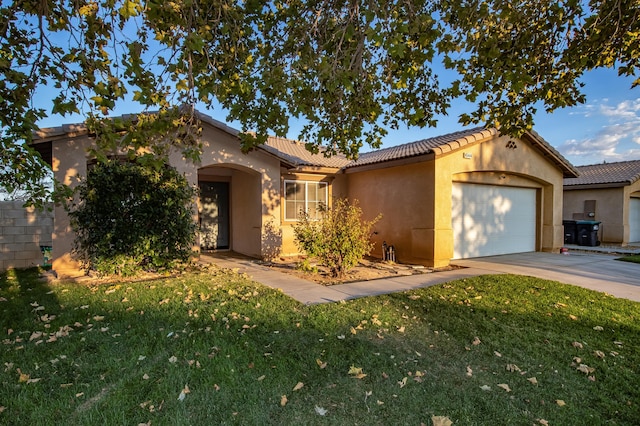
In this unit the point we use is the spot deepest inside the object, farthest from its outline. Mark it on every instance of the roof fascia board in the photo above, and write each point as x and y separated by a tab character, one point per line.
596	186
315	170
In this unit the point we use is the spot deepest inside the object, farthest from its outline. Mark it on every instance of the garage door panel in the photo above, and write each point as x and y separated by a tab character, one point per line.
490	220
634	220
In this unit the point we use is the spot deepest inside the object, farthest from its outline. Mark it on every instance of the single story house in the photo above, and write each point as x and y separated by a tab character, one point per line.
608	193
466	194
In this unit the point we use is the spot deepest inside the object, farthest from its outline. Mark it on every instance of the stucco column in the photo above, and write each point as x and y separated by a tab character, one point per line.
552	236
69	164
442	230
271	230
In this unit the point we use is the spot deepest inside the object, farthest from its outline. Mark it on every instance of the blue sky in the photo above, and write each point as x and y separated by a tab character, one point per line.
605	128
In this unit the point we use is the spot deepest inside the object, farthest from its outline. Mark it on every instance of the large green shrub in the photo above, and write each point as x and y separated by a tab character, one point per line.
133	217
339	240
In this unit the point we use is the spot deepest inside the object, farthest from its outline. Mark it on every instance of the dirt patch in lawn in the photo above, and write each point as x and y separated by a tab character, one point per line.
368	269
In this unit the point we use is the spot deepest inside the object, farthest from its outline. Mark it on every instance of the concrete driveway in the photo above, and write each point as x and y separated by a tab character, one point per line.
599	272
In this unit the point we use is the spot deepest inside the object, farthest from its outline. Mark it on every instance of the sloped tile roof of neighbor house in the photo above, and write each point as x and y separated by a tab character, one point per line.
621	173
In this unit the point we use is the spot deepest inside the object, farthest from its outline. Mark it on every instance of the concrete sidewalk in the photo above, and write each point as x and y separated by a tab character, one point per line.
594	271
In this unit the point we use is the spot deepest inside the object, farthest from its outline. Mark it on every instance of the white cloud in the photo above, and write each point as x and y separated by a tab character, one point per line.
616	139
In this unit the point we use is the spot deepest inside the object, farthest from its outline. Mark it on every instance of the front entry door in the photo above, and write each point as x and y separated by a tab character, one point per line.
214	215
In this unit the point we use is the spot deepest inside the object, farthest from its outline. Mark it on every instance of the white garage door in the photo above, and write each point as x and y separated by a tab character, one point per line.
490	220
634	220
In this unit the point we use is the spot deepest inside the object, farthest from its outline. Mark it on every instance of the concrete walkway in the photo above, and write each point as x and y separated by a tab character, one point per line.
600	272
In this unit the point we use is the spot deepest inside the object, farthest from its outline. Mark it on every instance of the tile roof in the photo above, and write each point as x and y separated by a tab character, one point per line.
621	173
438	144
296	154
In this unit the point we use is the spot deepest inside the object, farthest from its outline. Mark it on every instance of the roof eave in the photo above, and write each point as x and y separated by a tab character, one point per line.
459	143
569	187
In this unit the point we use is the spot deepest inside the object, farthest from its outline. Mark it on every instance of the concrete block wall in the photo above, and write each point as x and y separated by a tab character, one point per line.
22	232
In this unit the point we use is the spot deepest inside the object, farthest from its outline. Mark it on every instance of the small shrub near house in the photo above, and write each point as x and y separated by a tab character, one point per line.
339	240
133	217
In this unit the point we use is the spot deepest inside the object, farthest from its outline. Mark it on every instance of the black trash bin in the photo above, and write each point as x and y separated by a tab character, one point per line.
570	232
587	232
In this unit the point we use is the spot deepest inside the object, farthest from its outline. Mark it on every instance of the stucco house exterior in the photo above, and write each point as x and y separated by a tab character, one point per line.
466	194
608	193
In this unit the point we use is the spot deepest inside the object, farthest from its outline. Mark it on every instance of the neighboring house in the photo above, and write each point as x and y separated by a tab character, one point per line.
466	194
608	193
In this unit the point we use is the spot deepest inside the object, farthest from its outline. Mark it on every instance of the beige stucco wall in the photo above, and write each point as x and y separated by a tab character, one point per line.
415	198
254	192
404	196
69	161
612	209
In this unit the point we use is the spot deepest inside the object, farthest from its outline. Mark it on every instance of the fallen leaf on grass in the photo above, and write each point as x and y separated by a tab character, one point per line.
573	317
543	422
321	364
320	411
577	345
598	328
283	400
183	393
505	387
512	368
23	378
599	354
356	372
173	359
584	368
98	317
485	387
298	386
469	371
560	403
533	380
476	341
498	354
403	382
441	421
35	335
261	378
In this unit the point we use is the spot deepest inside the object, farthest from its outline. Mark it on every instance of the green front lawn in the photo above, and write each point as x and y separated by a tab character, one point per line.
213	347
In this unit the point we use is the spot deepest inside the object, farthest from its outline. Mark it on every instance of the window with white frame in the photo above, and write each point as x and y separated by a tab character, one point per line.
303	196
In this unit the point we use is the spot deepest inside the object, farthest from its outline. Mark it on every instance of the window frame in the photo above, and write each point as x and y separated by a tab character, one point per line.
306	183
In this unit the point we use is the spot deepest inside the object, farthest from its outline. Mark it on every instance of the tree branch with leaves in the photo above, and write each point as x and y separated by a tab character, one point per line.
348	69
